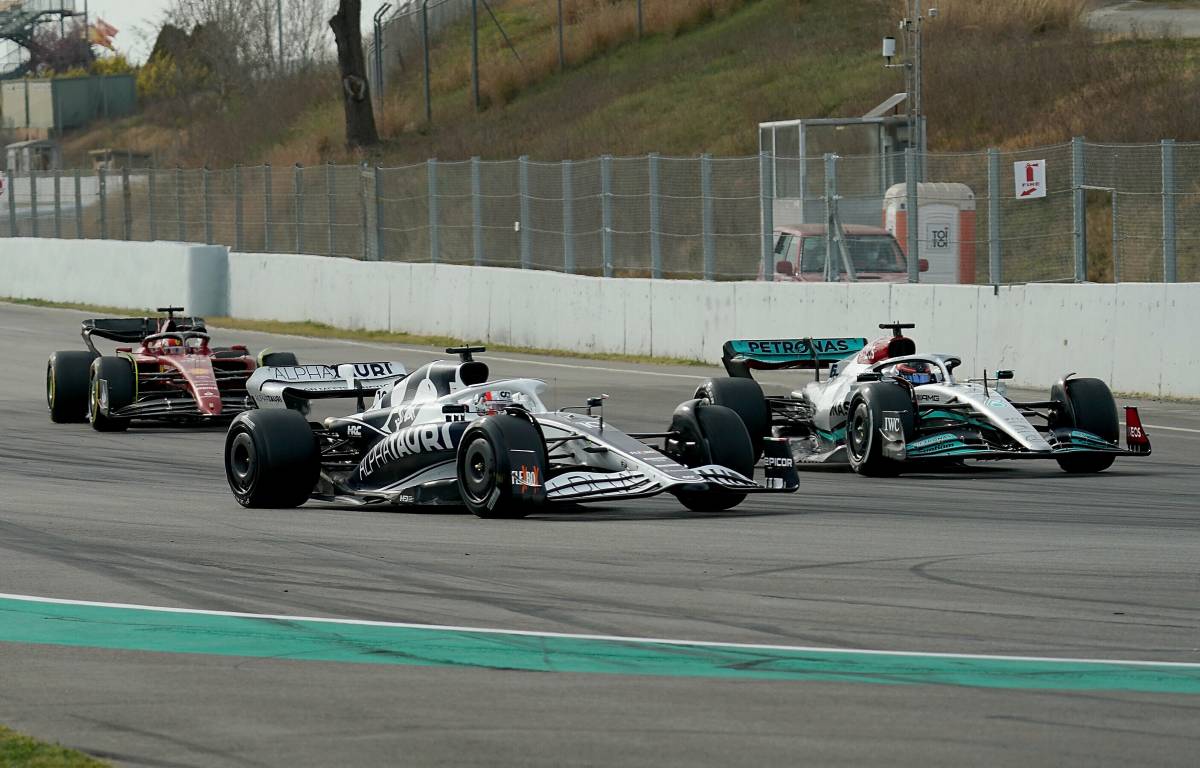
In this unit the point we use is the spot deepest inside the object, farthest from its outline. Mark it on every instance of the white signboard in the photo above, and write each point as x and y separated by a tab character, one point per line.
1030	178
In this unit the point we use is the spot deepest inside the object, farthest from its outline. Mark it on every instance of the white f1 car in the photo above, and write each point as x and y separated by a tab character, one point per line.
884	407
445	434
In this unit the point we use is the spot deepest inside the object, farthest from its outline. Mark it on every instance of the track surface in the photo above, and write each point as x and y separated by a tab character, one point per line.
1006	559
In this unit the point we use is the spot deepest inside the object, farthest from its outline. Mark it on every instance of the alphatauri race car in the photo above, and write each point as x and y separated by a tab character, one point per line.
884	408
169	372
445	434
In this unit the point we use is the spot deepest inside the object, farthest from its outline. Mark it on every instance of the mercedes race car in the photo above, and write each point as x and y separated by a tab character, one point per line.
445	434
169	372
884	408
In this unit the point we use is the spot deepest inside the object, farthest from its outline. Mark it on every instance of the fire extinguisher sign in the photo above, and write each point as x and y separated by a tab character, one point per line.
1030	178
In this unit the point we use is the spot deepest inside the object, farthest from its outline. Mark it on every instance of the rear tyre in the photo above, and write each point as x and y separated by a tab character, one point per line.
67	385
745	398
721	439
112	387
1088	405
485	474
278	359
272	460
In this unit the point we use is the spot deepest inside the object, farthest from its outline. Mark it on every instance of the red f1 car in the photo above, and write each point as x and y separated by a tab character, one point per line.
171	374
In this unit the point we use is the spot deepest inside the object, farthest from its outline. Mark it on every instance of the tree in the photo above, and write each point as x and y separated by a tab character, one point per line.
356	92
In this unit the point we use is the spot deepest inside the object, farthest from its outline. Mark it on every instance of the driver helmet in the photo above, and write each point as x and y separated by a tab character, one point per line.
917	372
492	402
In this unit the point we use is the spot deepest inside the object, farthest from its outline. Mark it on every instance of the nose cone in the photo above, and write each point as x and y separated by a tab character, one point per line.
210	402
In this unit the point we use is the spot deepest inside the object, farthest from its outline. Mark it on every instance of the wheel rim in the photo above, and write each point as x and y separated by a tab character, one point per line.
243	462
479	465
50	385
858	432
94	401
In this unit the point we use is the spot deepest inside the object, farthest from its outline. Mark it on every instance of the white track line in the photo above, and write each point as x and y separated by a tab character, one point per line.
605	638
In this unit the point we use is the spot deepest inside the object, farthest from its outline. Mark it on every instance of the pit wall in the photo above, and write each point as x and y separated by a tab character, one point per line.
1136	336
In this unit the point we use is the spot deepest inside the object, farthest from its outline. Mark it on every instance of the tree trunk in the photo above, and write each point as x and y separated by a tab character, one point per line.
356	92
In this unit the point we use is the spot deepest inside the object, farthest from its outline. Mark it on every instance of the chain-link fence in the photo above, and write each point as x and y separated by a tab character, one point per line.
1085	212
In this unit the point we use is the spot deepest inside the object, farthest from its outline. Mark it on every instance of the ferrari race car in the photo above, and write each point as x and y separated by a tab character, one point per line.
445	434
171	374
884	407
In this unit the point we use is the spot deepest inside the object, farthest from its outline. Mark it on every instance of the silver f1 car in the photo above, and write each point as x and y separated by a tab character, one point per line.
444	434
884	407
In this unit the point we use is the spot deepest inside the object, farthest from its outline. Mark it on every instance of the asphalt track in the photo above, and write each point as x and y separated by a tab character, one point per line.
1007	560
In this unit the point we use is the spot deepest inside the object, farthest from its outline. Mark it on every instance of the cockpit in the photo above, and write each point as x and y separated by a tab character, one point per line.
918	370
184	343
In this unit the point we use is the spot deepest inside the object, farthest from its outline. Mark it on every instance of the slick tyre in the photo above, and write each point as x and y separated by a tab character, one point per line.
717	436
485	472
745	398
1087	404
112	386
864	442
68	376
278	359
272	460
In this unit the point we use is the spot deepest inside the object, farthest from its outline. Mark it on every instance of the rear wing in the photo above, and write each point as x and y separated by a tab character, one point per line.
292	386
741	356
134	330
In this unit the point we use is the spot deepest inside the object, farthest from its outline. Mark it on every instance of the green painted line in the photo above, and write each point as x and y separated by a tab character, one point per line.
138	628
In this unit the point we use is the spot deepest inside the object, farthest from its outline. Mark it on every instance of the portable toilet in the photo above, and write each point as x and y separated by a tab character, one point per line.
946	216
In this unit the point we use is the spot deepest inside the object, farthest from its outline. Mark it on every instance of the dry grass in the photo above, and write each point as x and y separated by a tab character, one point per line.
1004	16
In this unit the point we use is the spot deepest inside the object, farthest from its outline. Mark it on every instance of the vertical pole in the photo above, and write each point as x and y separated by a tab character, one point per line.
267	208
152	194
238	210
298	205
606	249
33	203
363	180
831	265
380	250
656	266
329	208
766	202
995	276
1116	241
425	44
477	211
206	181
126	204
13	229
103	177
78	205
58	204
1170	268
475	52
639	19
912	213
279	26
568	220
180	227
706	202
434	238
562	56
1080	205
523	189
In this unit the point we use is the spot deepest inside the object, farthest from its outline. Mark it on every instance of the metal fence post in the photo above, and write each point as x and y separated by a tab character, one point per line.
656	267
126	204
568	220
329	205
267	207
180	226
152	193
994	263
831	269
606	213
1116	241
706	202
78	205
1170	268
477	211
13	229
362	211
206	183
298	205
435	245
238	212
103	182
33	204
912	214
523	189
766	198
380	251
58	204
1080	208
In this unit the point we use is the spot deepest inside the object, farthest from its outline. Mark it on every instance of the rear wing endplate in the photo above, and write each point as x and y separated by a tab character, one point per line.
740	356
292	386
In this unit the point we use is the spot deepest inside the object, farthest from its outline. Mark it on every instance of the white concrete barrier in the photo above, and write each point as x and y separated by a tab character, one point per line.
1135	336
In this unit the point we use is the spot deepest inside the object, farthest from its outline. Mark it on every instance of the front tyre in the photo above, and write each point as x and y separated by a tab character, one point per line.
718	435
272	459
68	375
1088	405
112	386
490	485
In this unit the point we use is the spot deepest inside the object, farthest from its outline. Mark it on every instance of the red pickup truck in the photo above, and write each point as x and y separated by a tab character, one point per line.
800	254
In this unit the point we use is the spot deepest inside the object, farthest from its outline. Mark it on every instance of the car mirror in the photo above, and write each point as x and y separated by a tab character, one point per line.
1004	375
785	268
923	264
